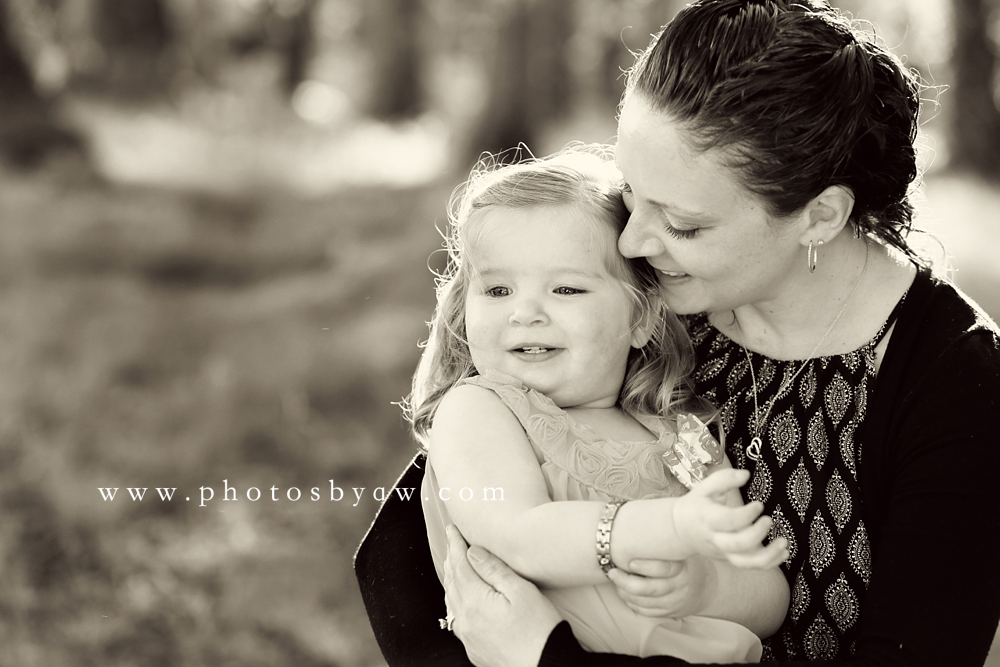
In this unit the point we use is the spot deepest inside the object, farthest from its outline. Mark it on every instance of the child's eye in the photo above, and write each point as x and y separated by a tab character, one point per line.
567	291
497	291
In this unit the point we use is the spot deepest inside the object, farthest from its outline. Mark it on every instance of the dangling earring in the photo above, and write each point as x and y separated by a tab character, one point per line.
812	254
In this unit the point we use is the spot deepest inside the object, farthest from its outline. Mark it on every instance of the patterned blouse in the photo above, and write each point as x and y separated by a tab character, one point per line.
806	476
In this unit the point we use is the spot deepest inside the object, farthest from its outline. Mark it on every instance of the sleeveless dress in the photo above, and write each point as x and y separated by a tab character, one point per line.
577	464
806	476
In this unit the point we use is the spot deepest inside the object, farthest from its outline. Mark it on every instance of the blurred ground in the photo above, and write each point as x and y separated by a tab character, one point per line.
158	338
184	332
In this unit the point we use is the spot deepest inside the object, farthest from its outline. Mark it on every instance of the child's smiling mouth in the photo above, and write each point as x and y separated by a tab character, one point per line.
534	352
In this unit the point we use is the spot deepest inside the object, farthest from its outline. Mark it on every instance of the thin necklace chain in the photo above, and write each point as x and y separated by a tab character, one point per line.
753	449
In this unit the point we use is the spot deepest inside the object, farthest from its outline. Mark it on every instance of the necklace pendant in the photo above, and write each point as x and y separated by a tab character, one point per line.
753	449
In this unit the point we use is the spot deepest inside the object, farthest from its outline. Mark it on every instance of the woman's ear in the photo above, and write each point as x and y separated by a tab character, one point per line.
826	214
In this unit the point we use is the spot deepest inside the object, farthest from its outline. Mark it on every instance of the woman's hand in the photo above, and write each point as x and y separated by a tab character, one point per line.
502	619
667	588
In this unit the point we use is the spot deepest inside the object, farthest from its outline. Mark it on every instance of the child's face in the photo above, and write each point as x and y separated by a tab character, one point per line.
542	305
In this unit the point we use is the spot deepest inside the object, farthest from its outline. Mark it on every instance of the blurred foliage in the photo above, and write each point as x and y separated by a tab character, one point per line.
218	217
497	72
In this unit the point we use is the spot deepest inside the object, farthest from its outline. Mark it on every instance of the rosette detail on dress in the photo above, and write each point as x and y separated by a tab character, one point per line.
572	453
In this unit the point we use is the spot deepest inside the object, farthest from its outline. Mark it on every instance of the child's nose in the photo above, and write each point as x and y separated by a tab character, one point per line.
528	312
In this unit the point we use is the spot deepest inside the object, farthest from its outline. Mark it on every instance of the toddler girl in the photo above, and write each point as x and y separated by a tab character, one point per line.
554	373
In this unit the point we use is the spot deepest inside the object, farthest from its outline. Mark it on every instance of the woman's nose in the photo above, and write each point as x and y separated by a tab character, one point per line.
638	238
528	312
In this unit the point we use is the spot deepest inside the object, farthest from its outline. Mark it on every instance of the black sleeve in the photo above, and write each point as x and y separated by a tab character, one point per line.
934	597
399	586
562	650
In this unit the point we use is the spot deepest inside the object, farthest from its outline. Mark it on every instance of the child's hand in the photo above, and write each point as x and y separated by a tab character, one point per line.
708	526
666	588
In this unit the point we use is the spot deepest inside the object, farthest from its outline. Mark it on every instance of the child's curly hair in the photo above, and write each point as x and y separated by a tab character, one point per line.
656	377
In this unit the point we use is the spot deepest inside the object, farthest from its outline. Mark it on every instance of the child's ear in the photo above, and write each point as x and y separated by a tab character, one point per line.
643	329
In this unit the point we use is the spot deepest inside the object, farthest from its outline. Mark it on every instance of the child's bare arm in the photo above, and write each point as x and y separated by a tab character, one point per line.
477	444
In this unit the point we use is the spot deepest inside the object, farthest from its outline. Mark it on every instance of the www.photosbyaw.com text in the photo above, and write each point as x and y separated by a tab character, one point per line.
206	494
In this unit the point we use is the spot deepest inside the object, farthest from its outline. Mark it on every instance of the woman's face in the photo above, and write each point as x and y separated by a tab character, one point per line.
710	239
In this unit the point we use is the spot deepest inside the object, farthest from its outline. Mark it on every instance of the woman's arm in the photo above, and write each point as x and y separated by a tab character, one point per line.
934	595
400	588
478	444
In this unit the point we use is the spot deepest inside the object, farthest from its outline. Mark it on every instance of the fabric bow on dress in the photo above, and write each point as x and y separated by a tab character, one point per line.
693	450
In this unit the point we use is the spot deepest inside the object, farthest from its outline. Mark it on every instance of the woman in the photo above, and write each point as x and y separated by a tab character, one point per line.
767	150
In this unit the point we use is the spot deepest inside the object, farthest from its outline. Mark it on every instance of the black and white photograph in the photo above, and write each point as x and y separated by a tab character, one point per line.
383	333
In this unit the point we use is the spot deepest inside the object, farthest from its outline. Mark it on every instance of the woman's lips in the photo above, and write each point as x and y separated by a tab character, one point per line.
674	274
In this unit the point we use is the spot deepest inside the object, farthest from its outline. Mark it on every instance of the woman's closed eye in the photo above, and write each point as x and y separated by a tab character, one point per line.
627	196
680	233
675	232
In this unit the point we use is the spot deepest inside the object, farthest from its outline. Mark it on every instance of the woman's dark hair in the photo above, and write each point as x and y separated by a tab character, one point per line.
798	98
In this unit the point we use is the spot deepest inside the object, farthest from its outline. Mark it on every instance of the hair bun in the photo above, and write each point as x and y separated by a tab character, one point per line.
799	95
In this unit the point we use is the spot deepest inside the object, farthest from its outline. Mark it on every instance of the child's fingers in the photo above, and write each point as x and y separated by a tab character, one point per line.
721	481
660	569
633	585
773	555
745	539
643	610
723	518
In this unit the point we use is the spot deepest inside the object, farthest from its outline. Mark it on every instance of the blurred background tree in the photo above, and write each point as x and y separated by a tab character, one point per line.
394	31
976	127
30	130
529	84
218	217
136	40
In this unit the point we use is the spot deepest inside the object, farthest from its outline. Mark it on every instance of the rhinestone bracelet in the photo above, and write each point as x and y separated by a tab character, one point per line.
604	534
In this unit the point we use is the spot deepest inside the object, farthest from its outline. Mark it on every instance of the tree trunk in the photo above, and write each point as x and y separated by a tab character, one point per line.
976	126
530	83
17	86
136	36
393	31
299	48
29	131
